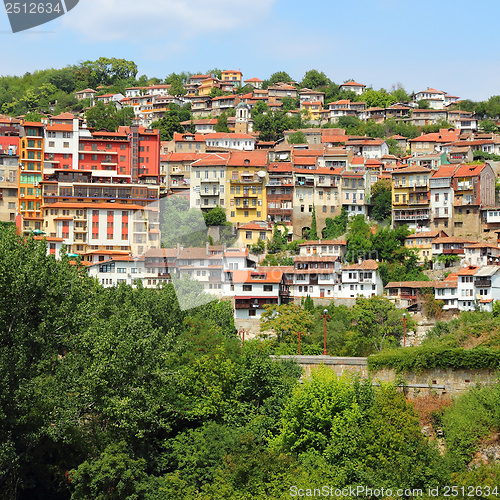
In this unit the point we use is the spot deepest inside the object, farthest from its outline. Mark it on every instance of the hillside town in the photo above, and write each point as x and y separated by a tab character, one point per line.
99	193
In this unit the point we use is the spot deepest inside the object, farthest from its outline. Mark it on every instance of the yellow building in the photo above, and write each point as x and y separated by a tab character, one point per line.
312	109
31	155
232	76
246	173
207	85
249	234
422	243
410	197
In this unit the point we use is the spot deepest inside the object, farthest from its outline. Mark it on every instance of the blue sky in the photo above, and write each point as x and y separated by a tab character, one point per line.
450	45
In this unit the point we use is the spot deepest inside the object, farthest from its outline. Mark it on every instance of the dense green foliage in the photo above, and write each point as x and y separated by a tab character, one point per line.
117	393
424	357
366	328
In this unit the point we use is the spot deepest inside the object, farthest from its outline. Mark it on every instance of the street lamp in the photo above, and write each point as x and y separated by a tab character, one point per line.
325	315
404	329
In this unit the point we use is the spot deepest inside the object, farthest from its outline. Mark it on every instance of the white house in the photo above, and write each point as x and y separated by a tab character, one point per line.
482	254
357	88
253	290
119	270
243	142
362	280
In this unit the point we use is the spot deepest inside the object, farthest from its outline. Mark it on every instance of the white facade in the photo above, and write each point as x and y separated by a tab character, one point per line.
242	142
207	185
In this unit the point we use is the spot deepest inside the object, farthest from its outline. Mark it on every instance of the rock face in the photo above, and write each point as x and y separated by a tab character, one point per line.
488	453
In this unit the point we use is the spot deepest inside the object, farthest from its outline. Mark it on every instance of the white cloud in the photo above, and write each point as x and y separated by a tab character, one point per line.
150	20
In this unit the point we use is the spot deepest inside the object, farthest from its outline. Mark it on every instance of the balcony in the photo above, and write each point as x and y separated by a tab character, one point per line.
247	180
411	217
421	201
483	283
453	251
213	193
421	186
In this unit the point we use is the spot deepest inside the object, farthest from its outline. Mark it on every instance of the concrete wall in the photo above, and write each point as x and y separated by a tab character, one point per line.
439	381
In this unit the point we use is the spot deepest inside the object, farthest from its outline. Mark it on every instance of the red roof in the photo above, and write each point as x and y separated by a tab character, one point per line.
253	80
469	170
353	84
468	271
369	264
272	276
444	172
61	127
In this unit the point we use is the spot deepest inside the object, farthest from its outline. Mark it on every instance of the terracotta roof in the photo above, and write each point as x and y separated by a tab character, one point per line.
178	136
284	166
444	172
412	170
63	116
254	80
223	135
254	158
482	245
369	264
323	242
161	252
447	283
256	227
273	275
468	271
61	127
358	160
410	284
469	170
433	91
352	84
451	239
425	234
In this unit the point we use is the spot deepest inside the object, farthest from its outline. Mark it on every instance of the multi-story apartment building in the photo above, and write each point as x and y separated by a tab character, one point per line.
116	226
255	289
410	197
356	192
474	187
442	197
422	243
318	187
280	193
246	186
208	186
9	200
31	155
361	280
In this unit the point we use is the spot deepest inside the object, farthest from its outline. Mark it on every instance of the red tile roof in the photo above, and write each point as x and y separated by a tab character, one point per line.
369	264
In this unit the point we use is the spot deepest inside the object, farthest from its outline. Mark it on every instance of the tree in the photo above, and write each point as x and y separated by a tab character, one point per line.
423	104
379	324
352	124
279	76
221	125
358	239
171	121
313	79
215	217
289	103
337	226
309	303
488	126
278	242
33	116
108	117
378	98
176	84
297	138
381	199
287	321
258	248
313	231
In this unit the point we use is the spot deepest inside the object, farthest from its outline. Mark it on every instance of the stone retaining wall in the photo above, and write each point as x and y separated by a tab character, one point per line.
438	381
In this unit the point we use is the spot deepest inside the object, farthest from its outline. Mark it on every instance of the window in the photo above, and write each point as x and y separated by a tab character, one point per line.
247	288
248	235
268	288
252	312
